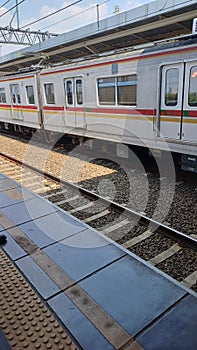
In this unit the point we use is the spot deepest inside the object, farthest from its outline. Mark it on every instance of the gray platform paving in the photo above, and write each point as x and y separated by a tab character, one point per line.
105	296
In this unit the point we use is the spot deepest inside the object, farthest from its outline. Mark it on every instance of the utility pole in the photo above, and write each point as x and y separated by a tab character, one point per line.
97	15
17	14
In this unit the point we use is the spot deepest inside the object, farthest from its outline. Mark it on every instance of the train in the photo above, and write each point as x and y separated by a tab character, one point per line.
142	96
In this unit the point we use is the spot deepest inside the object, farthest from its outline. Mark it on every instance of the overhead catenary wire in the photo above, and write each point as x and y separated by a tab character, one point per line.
77	14
5	3
51	14
55	12
4	13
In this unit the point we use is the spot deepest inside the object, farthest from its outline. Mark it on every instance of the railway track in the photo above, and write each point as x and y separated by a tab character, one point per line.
170	250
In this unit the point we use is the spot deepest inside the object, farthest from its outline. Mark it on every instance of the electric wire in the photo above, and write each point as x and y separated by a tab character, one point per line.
51	14
5	3
77	14
4	13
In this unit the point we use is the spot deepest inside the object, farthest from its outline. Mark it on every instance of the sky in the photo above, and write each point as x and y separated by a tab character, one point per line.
76	14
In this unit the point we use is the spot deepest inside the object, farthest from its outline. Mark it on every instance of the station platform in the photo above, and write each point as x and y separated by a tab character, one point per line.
63	285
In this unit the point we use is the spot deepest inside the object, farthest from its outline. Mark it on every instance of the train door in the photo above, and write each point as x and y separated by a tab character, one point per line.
171	102
16	108
189	127
75	115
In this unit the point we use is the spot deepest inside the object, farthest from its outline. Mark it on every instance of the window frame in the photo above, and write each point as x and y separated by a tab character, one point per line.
46	93
3	93
76	97
124	84
79	97
109	84
167	101
68	101
189	91
16	96
28	97
116	85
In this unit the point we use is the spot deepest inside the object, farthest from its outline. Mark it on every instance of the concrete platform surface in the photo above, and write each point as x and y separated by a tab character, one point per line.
104	296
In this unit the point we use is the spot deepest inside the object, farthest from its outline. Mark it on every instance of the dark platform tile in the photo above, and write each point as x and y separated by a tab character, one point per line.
13	249
175	331
4	345
13	196
132	293
7	184
83	253
81	328
55	227
28	210
39	279
1	227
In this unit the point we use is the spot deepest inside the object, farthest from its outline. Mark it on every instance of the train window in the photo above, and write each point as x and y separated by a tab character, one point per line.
15	94
69	92
79	91
171	87
192	96
2	95
126	90
118	90
49	93
106	91
30	94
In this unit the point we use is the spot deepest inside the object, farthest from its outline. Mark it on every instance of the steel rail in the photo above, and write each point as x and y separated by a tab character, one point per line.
154	225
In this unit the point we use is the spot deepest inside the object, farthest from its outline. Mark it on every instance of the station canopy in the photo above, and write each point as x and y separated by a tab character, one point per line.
157	20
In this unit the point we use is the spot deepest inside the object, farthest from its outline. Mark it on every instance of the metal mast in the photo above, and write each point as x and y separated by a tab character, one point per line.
10	35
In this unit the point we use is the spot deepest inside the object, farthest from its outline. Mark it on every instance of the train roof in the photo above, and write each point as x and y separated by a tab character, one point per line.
173	43
164	45
157	46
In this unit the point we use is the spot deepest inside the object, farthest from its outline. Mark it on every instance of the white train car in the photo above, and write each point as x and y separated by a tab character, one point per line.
145	97
19	101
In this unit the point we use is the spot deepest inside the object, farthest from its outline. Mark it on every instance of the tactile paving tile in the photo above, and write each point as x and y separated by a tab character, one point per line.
25	321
